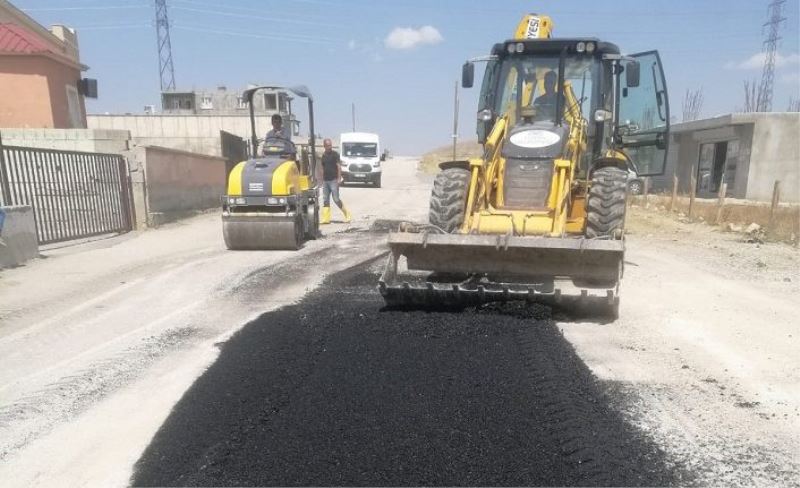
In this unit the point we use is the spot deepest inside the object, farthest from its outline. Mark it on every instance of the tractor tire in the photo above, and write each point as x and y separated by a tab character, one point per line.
449	199
605	207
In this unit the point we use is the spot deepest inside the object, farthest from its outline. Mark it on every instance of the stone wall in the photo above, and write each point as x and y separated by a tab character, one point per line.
18	242
169	184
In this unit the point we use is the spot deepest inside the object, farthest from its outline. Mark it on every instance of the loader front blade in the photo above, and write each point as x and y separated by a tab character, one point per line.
426	269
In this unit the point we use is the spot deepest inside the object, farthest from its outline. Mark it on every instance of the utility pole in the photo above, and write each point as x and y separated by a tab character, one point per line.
770	50
455	121
166	70
353	114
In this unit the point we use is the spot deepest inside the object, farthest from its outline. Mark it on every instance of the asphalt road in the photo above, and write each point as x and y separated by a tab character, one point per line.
337	390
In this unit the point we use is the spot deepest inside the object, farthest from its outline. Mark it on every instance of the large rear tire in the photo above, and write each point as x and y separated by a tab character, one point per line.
605	214
449	199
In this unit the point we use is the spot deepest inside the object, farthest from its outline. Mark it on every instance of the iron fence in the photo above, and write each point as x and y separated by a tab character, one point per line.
73	194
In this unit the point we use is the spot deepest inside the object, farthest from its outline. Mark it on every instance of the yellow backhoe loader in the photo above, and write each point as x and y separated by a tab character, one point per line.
271	202
541	215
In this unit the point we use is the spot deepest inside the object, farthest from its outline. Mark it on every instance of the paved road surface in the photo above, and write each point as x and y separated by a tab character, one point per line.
335	391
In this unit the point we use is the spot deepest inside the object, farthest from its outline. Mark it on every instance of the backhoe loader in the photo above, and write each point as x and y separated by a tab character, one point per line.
541	215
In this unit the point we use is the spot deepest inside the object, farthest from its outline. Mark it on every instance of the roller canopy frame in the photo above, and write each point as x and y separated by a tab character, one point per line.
301	91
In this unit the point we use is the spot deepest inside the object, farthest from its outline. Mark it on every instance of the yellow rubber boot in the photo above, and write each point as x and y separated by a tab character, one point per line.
347	215
325	218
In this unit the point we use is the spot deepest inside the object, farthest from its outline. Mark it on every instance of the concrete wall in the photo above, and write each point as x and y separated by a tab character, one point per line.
169	184
86	140
18	241
192	133
685	155
769	150
775	156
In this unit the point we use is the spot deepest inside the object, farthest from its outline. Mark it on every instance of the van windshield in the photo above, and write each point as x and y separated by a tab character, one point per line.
360	149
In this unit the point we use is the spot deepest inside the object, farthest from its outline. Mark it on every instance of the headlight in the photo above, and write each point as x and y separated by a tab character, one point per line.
590	46
231	200
241	201
520	47
581	47
272	201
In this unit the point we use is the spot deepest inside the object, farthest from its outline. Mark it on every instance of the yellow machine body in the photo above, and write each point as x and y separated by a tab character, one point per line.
284	180
534	26
545	203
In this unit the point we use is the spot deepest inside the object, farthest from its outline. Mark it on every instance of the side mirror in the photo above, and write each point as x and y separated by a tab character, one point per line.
383	156
632	74
467	75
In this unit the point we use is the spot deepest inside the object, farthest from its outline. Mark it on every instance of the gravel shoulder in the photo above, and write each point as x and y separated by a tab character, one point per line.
706	349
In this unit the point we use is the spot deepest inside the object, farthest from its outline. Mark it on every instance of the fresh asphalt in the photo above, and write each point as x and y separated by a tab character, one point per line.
337	390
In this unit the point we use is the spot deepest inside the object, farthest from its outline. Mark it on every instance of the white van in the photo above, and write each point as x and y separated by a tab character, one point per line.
361	157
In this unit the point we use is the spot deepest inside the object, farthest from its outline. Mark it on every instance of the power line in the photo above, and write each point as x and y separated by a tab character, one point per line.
249	16
60	9
770	49
298	39
165	67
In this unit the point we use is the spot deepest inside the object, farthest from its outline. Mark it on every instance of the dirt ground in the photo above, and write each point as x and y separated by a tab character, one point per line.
706	349
100	342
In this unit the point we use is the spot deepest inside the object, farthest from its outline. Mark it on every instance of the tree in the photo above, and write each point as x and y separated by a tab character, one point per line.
794	105
692	104
752	94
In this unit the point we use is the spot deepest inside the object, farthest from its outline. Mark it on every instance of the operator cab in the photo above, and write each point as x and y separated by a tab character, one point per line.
561	85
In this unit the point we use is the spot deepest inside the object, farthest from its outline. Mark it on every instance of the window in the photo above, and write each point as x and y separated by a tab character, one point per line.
206	103
176	104
731	161
360	149
240	102
270	101
283	103
531	82
74	107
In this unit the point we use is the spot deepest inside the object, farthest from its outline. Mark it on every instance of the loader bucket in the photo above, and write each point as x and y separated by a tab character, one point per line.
454	269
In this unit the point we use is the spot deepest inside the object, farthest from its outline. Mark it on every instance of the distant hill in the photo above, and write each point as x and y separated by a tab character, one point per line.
464	150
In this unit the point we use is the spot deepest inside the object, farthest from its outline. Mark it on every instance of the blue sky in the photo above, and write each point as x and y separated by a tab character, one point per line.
402	82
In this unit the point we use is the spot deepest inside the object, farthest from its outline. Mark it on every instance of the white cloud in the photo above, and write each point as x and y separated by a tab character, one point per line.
351	45
409	38
756	61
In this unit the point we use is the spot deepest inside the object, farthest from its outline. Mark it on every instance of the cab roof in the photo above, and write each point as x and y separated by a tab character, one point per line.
554	46
358	137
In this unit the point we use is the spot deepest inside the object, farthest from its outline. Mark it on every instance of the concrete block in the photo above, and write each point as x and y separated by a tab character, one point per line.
18	241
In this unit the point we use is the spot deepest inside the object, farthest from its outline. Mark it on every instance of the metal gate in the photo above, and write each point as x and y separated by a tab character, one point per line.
73	194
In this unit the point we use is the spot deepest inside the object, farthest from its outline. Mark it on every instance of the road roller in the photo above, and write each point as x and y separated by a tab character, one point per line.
271	200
